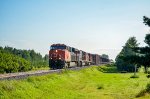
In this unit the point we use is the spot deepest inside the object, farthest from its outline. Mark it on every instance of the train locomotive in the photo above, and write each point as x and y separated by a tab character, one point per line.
62	56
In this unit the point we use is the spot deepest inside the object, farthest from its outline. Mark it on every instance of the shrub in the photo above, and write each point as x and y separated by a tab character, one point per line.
107	69
11	63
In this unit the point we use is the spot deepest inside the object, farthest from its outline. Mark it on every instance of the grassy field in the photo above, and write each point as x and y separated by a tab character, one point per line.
89	83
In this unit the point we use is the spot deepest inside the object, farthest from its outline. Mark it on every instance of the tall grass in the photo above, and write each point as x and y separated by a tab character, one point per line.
89	83
145	91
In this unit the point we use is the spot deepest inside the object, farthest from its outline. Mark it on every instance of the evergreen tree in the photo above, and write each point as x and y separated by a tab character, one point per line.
144	52
105	56
121	60
146	20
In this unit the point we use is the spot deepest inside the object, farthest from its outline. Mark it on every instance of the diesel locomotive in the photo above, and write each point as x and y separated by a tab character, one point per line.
62	56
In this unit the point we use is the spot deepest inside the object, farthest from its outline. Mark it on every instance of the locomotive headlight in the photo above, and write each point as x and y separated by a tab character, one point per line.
51	58
56	51
59	58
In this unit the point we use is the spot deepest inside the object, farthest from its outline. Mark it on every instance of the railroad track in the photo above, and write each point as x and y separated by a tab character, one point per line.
23	75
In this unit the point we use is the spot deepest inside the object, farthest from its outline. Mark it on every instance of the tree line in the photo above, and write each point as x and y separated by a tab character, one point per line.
16	60
132	56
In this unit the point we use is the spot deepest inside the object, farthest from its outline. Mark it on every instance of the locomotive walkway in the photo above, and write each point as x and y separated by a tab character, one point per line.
23	75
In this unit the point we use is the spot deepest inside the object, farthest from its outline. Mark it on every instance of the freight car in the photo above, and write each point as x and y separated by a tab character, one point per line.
63	56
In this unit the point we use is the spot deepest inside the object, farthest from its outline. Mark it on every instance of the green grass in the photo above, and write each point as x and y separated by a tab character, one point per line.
89	83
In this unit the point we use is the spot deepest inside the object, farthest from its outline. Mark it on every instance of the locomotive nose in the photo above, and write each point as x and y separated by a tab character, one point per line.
56	56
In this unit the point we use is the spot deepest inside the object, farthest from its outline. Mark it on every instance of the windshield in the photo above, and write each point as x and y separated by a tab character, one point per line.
57	47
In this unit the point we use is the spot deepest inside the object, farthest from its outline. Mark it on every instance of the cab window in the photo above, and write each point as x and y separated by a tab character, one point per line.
57	47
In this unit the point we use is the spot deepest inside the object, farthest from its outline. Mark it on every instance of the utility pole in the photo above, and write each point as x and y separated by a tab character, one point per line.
135	70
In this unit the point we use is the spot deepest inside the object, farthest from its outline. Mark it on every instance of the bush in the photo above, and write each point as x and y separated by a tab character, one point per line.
11	63
110	65
14	60
107	69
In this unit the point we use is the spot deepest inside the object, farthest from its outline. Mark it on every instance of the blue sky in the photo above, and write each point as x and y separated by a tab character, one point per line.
96	26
